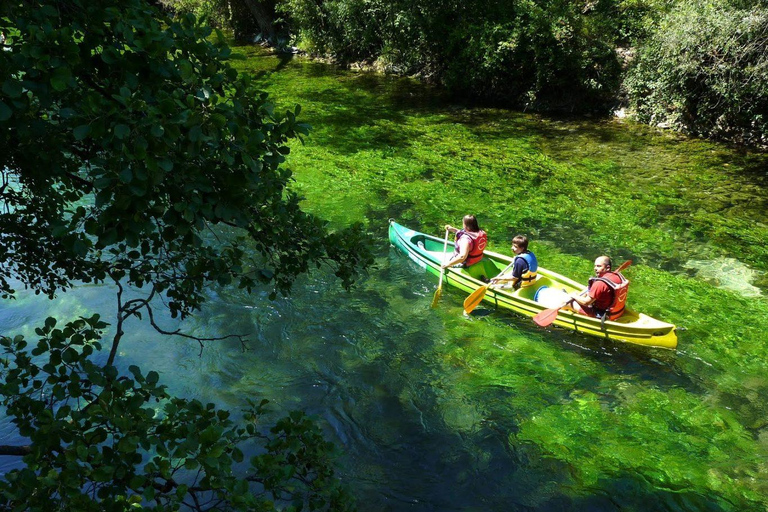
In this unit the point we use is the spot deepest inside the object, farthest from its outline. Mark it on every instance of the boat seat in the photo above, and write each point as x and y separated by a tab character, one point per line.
483	270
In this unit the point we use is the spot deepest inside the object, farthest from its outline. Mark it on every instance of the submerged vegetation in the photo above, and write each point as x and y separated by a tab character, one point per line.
434	410
645	427
610	186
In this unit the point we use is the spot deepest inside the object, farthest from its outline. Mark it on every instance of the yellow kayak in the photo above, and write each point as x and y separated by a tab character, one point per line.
546	292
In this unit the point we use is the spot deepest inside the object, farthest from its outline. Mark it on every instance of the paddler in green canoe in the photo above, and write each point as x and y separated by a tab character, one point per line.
524	266
606	294
469	243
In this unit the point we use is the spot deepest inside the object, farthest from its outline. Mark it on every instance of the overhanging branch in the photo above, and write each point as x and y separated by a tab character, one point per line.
18	451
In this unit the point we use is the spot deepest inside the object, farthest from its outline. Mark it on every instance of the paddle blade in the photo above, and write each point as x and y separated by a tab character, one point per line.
474	299
436	299
546	317
623	266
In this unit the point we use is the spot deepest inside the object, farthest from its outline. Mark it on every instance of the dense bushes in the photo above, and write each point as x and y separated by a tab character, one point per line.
700	66
705	71
547	53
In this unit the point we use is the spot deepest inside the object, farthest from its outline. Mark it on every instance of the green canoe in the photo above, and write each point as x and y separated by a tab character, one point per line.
632	327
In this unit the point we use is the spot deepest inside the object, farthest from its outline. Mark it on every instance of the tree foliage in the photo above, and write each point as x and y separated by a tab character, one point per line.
214	12
103	441
132	151
245	18
555	54
705	70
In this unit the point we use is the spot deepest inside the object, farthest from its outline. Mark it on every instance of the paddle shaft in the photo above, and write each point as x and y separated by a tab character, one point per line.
439	290
442	270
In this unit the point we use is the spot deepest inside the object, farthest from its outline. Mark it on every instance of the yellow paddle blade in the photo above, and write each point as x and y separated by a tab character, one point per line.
474	299
436	299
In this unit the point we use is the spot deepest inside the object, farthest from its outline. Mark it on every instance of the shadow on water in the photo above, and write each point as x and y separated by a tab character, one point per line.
341	113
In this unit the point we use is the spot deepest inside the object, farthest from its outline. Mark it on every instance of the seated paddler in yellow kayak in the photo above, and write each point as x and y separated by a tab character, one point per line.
524	266
606	294
469	243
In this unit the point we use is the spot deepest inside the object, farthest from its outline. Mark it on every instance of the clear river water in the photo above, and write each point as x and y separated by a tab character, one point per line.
434	411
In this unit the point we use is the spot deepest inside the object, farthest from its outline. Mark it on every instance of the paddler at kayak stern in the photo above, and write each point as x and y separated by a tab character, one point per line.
606	293
469	244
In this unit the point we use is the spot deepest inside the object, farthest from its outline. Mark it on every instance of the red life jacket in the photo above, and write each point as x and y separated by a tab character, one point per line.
619	285
477	242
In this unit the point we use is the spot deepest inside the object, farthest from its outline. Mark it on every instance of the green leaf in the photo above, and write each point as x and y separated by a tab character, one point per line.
103	198
165	165
81	131
60	78
121	131
103	182
12	88
108	56
126	175
157	130
5	112
80	248
185	69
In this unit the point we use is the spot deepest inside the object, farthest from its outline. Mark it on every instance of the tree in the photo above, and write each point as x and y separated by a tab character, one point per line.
101	441
245	18
161	167
704	70
543	54
131	152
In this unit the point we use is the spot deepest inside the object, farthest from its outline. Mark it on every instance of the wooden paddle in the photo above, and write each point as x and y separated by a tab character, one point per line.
476	297
546	317
439	290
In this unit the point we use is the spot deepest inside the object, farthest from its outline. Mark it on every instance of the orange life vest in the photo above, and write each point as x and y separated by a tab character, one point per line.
477	242
619	300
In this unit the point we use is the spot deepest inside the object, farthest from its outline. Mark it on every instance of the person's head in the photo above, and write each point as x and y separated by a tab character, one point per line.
470	223
602	265
519	244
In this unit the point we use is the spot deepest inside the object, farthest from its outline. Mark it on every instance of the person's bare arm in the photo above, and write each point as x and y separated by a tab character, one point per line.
463	253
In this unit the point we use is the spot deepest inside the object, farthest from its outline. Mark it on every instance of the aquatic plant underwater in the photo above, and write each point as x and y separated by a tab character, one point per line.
691	214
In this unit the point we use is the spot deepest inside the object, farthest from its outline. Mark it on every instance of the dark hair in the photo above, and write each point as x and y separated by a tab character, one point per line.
470	221
521	241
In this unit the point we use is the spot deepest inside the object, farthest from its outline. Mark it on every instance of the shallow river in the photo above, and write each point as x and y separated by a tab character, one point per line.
438	412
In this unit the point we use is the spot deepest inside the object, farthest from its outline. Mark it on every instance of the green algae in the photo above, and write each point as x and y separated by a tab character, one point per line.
384	147
589	187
